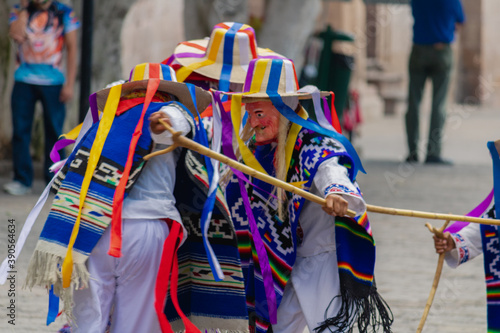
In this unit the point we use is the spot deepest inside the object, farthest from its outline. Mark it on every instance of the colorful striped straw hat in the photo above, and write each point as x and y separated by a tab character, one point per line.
268	77
224	56
140	78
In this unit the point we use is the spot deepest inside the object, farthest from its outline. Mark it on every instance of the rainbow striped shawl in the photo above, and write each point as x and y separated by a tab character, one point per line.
50	252
490	236
356	250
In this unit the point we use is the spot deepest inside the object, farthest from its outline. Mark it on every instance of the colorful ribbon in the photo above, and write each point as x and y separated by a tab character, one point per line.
213	178
116	220
53	306
168	273
95	153
496	174
267	277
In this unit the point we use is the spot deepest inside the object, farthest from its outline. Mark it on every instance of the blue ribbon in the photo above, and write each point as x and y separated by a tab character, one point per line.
227	63
288	113
201	137
53	306
496	175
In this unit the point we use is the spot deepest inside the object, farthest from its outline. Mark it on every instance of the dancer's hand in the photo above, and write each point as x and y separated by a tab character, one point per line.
445	244
154	122
335	205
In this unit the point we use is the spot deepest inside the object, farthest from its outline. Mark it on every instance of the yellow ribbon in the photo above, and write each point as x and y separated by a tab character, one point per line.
95	153
73	134
292	137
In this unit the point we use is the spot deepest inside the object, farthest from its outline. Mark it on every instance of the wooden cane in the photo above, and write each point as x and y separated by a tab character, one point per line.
437	275
429	215
180	140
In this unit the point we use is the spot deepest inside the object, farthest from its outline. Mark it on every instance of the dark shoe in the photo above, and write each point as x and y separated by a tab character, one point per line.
437	161
412	158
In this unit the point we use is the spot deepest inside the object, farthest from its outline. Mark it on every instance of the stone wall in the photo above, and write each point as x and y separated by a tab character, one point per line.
489	79
287	27
471	45
394	38
152	39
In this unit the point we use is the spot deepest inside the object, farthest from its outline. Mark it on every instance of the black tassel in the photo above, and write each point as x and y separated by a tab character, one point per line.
370	313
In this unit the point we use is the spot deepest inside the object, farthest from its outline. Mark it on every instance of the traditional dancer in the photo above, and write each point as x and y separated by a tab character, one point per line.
123	268
303	266
464	241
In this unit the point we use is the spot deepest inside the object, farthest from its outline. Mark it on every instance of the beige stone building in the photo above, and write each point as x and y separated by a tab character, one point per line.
384	37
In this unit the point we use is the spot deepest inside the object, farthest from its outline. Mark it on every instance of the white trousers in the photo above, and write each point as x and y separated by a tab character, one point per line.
312	286
126	284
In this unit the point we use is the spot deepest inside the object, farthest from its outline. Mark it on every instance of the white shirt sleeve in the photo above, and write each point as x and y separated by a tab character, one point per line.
333	178
179	123
468	245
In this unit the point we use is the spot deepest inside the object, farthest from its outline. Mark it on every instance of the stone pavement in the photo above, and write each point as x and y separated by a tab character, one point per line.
406	261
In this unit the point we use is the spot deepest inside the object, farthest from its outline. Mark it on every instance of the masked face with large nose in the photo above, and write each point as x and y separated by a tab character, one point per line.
264	118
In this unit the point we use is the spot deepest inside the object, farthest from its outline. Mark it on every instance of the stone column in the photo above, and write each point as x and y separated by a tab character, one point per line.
469	57
151	31
489	79
200	16
287	26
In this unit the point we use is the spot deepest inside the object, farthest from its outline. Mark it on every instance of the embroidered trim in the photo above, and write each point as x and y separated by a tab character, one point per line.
338	188
463	249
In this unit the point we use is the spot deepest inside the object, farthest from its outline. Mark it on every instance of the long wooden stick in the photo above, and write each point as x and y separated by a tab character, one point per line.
437	276
180	140
428	215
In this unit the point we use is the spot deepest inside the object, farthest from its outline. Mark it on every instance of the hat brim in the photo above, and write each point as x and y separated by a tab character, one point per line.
213	71
179	90
256	97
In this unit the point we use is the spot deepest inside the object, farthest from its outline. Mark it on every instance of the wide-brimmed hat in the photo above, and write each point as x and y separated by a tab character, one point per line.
141	75
267	77
224	56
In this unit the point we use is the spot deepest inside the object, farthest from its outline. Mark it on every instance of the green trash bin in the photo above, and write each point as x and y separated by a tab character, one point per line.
334	69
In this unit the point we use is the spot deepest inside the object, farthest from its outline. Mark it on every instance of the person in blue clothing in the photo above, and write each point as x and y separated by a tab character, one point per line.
435	23
42	30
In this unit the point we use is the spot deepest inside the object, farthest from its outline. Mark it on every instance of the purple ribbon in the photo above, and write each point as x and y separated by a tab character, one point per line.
189	55
265	267
476	212
328	114
248	79
60	144
271	57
